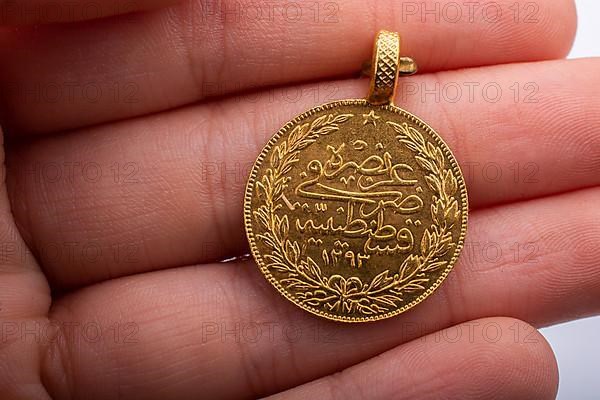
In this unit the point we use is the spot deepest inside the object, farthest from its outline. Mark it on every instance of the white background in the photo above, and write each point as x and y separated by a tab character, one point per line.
577	344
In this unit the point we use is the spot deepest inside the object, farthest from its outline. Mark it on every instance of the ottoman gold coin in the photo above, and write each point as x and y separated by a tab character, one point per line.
356	210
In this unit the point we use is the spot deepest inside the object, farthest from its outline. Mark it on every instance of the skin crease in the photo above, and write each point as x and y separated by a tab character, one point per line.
168	321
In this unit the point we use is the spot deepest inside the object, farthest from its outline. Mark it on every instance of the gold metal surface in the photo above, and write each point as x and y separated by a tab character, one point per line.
356	210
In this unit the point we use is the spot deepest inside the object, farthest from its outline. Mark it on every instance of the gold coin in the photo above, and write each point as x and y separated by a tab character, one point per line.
355	211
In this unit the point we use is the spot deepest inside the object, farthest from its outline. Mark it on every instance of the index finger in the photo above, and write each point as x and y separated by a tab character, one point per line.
20	12
69	76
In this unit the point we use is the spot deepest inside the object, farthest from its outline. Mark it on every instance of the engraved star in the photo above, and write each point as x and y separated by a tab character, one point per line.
370	118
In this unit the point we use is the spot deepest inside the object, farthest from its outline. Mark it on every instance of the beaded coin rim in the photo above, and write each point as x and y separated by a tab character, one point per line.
248	211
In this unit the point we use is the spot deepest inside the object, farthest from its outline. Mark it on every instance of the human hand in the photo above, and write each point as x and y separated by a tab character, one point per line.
122	196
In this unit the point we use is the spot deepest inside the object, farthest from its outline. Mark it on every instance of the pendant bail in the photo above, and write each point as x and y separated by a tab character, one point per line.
386	66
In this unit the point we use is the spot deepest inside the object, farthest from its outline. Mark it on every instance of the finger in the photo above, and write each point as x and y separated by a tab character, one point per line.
52	78
47	11
463	362
24	302
222	328
168	190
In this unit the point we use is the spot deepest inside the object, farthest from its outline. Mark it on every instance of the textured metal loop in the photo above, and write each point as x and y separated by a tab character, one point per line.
386	67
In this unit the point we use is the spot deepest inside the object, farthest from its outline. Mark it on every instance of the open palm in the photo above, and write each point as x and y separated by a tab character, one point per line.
128	143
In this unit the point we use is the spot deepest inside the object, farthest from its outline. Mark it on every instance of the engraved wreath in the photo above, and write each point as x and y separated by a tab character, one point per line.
351	295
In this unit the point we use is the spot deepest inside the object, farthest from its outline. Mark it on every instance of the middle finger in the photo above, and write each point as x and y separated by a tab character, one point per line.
167	190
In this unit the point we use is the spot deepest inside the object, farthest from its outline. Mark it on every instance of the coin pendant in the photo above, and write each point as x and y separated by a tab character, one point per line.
356	211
